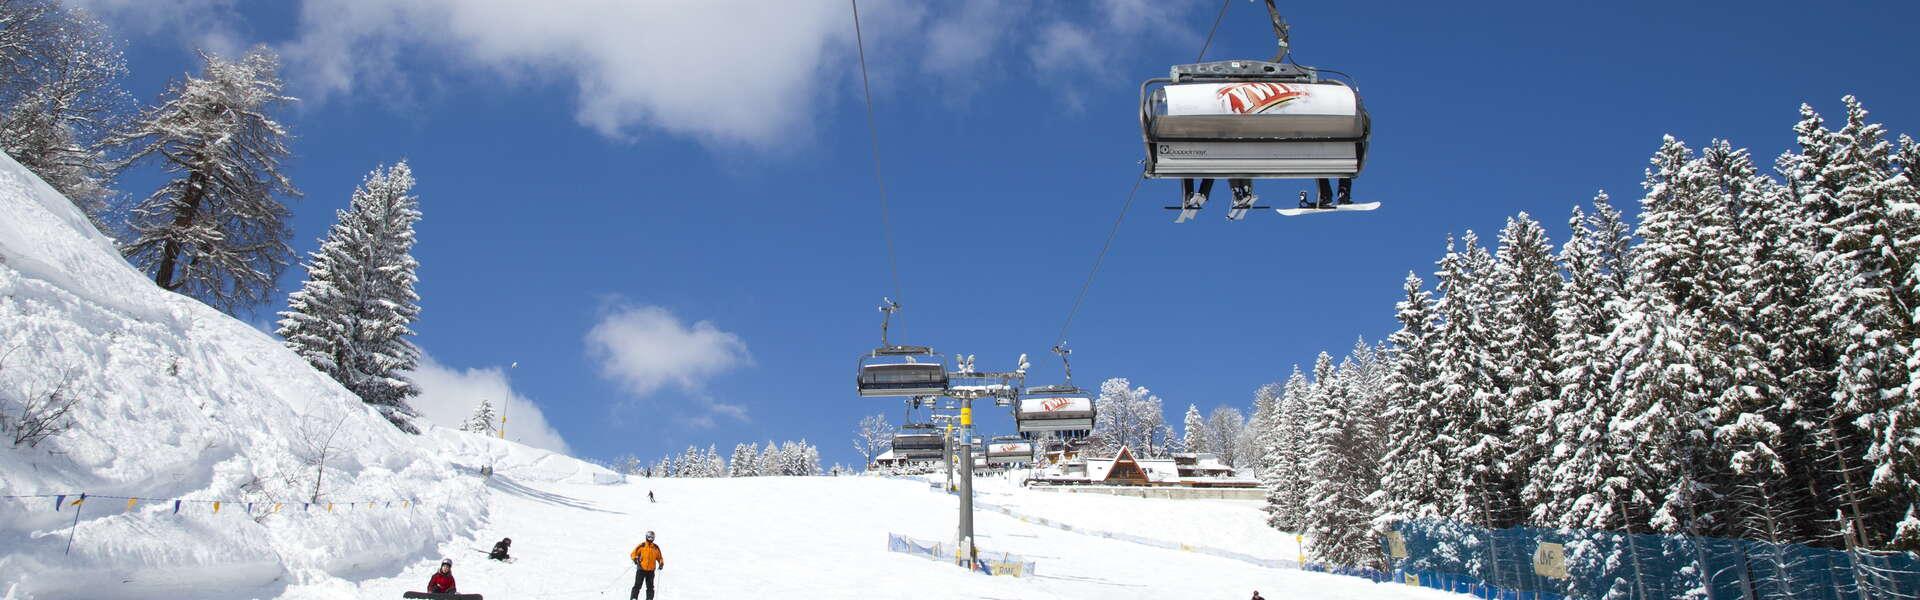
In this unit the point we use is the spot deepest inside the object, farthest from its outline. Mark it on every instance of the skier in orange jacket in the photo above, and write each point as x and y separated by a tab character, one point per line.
647	557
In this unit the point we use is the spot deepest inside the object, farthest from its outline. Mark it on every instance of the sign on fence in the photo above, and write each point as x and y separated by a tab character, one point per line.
1396	544
1549	560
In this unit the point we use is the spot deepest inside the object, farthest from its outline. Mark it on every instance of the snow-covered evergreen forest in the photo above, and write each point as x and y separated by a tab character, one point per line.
747	460
1739	361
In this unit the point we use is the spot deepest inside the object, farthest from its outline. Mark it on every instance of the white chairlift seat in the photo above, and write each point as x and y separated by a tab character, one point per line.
1252	120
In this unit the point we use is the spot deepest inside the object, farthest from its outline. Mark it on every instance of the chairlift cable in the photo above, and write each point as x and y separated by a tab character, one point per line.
1216	27
1115	231
1097	259
873	137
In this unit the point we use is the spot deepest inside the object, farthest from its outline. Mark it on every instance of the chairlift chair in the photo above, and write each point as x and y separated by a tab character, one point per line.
1009	450
1066	411
919	446
893	370
1252	119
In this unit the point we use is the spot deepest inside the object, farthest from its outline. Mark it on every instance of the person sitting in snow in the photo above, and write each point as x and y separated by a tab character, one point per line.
500	550
442	582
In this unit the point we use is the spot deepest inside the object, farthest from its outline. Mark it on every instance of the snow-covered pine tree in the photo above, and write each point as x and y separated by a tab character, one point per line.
482	420
742	462
351	318
1413	464
1661	365
1343	468
1526	287
60	96
809	459
1251	449
1196	430
1867	279
1566	486
769	461
1286	475
1475	423
218	230
628	464
1762	331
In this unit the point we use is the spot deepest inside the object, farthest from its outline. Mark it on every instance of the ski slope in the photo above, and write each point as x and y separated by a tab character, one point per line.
819	537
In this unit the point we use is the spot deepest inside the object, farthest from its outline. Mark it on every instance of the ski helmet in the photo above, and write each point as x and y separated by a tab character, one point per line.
649	536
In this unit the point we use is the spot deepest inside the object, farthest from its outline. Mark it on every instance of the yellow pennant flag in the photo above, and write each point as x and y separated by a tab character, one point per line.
83	498
130	502
329	507
216	507
276	507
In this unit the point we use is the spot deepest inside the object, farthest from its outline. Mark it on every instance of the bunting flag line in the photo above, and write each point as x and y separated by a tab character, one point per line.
61	502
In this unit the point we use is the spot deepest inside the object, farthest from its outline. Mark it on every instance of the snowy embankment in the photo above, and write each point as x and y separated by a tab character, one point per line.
826	537
178	401
1232	525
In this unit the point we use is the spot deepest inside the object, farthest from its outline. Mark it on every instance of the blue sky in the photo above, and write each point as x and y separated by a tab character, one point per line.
667	216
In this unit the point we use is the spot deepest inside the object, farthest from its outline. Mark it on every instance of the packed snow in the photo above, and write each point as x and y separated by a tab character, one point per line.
825	537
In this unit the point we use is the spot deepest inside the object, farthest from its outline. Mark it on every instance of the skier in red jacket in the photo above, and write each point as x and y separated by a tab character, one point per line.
442	582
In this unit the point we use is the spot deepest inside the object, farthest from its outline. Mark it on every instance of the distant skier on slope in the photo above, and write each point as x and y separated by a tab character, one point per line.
650	496
500	550
647	557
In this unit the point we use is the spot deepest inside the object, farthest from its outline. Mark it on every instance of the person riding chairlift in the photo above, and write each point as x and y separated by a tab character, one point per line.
1243	193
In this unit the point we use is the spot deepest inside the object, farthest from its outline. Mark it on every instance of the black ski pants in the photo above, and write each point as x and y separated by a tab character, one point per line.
642	577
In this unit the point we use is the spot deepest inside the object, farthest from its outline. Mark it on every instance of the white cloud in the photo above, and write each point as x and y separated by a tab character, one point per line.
726	71
960	42
205	24
448	396
647	348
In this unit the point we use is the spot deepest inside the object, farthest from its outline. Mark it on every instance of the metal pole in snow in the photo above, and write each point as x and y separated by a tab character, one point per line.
966	478
504	398
77	507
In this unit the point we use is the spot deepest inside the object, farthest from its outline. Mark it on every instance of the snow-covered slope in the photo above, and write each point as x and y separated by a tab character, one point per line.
176	400
826	537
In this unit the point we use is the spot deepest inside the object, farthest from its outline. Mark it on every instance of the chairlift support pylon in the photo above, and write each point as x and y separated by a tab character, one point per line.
1242	120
